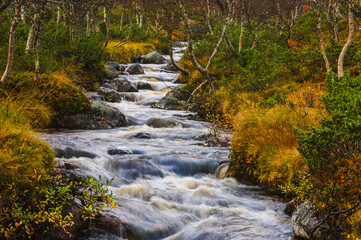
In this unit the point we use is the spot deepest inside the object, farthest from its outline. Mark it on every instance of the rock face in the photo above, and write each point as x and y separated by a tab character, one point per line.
114	69
145	86
170	67
304	220
290	208
109	95
135	69
120	85
196	28
154	58
70	152
179	94
100	116
168	103
114	152
163	123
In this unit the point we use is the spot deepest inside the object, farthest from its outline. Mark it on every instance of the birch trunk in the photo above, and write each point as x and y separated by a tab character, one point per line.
322	45
122	20
88	24
348	43
208	17
10	60
30	41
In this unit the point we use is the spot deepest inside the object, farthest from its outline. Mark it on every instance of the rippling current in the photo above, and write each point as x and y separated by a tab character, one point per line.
167	188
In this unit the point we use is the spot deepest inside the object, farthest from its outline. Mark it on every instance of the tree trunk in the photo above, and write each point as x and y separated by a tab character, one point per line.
348	43
10	60
88	23
322	45
208	18
58	18
30	41
39	25
122	20
95	21
23	14
106	20
241	37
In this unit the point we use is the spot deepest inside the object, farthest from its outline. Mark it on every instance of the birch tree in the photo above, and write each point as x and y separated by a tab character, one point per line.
14	24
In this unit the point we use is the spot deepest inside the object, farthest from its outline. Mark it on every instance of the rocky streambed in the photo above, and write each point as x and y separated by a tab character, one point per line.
168	183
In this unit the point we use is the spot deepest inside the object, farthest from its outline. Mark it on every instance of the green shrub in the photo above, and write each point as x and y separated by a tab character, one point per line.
332	152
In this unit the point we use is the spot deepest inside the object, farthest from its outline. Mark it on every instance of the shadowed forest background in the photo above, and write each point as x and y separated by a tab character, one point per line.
283	77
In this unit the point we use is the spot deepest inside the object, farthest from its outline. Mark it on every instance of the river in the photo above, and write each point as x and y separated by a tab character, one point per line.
167	188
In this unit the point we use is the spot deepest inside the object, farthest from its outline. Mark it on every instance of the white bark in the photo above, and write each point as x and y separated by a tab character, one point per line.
10	60
322	45
348	43
30	41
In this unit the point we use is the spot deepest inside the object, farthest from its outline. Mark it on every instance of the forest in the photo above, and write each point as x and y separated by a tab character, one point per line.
281	77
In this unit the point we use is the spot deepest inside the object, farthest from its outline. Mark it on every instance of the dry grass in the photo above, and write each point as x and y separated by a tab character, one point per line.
266	137
128	51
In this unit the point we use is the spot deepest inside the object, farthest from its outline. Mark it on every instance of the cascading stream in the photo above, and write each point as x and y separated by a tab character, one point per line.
164	178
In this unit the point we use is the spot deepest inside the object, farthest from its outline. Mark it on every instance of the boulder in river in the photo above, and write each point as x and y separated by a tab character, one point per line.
70	152
169	103
100	116
114	69
154	58
142	135
144	86
163	123
196	28
135	69
170	67
113	152
120	85
304	220
179	94
109	95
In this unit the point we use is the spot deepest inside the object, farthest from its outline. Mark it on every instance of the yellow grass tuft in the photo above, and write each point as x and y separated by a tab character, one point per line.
128	51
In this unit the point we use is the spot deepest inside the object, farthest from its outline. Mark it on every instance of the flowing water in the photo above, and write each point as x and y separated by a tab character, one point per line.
167	188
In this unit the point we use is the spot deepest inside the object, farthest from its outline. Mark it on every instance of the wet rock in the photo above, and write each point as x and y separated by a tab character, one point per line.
109	95
107	226
128	96
179	94
113	66
169	103
70	152
114	69
133	169
163	123
100	116
139	59
178	44
144	86
121	85
290	208
94	96
197	28
215	141
135	69
113	152
170	68
192	108
154	58
304	220
142	135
